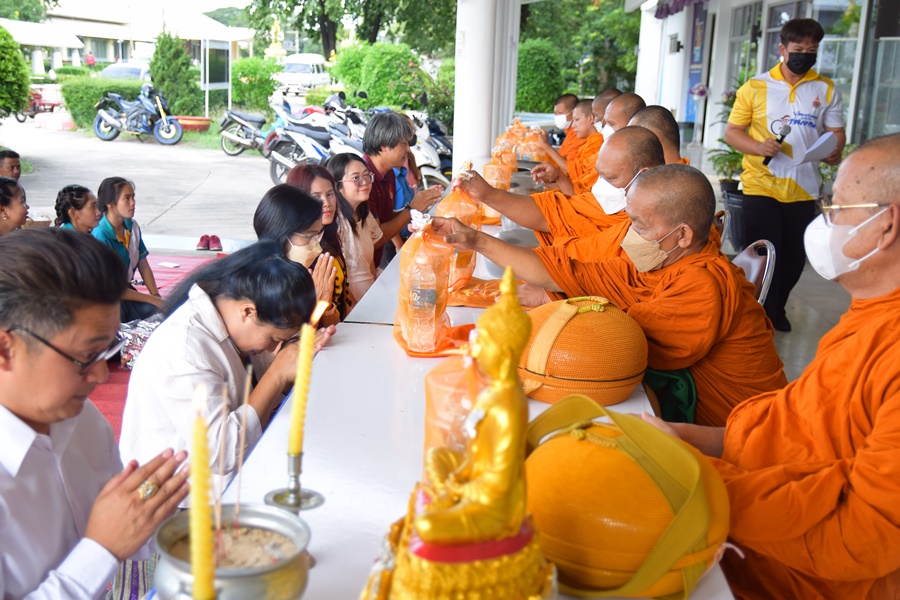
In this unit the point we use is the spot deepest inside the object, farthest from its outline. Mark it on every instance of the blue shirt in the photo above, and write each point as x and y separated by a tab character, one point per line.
405	193
105	233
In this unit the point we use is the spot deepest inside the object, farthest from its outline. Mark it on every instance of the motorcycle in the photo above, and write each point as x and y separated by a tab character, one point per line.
146	115
36	104
244	131
426	153
312	138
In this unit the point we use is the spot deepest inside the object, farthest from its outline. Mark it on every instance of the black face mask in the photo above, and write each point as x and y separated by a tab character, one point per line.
801	62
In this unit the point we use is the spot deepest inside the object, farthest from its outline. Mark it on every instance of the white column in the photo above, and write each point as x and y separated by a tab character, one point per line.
647	80
37	61
506	65
474	96
76	58
56	58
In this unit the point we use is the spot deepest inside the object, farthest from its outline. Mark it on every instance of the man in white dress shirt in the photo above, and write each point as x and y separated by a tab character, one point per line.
69	513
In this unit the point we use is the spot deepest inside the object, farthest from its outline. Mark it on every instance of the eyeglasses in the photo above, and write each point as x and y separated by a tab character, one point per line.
114	347
828	209
360	180
310	239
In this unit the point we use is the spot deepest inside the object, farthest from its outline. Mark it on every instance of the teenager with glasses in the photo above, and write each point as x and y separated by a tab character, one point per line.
222	316
359	230
69	512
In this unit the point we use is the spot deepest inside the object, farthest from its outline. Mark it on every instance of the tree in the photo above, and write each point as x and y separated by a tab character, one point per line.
315	16
428	27
232	17
170	69
23	10
14	76
540	79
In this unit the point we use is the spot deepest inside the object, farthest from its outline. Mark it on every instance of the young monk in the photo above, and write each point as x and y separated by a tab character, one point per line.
563	116
813	470
696	308
579	174
660	121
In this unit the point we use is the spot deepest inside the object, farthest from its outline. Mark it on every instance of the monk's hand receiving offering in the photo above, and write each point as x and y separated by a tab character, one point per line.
455	233
545	173
475	185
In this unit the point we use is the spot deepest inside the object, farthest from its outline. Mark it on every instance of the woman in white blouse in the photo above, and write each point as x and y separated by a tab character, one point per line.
220	317
359	229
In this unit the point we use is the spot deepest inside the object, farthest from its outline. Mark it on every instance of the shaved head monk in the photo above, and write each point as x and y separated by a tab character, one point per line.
813	470
704	328
620	110
598	106
580	173
660	121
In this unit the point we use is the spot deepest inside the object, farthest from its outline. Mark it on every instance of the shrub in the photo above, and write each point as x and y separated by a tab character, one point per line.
441	93
252	83
348	66
171	72
14	77
72	71
540	78
391	75
318	96
82	93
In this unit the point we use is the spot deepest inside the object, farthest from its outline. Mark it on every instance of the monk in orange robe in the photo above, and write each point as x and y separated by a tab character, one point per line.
696	308
813	470
563	117
580	173
599	104
620	110
661	122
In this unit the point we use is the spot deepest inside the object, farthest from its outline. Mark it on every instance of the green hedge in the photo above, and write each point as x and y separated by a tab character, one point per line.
252	83
441	96
540	79
72	71
388	73
82	93
13	76
348	66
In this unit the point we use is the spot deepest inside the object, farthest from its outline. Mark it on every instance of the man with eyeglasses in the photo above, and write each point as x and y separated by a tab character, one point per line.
69	513
784	110
813	470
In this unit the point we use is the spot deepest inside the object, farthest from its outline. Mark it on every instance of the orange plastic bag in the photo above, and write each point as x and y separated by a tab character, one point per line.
507	154
532	149
519	130
422	327
497	172
459	204
450	392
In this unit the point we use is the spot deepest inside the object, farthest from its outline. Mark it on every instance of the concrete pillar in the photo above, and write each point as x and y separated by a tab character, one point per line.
473	102
37	61
76	58
647	80
56	58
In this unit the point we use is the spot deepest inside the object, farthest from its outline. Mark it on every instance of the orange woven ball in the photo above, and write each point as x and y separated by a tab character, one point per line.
583	346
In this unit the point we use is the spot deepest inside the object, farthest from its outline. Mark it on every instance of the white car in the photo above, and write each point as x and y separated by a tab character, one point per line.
131	69
302	72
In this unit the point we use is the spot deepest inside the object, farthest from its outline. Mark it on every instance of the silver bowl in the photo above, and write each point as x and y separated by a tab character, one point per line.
285	579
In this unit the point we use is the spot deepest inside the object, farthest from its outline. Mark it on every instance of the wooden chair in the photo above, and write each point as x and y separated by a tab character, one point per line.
758	262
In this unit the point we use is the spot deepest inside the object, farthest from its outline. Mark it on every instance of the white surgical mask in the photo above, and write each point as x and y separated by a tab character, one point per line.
825	243
561	122
607	131
599	127
610	198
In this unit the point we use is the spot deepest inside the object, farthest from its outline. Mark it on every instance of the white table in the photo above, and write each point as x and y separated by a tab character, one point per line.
364	452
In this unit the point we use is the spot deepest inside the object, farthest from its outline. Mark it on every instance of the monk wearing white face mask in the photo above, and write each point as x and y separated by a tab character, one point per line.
695	307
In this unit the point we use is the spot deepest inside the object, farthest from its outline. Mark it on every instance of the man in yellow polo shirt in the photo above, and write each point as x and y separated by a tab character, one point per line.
778	198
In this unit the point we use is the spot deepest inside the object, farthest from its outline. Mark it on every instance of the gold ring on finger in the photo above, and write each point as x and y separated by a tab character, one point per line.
147	490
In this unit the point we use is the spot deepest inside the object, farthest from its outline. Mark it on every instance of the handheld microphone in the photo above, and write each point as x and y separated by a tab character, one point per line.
785	129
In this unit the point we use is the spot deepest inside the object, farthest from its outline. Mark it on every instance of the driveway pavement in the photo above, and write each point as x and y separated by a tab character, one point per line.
182	192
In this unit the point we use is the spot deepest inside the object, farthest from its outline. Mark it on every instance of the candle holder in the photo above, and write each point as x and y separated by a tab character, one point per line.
294	498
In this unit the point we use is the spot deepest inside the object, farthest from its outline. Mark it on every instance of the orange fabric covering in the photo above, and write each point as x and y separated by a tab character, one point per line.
570	145
583	166
572	216
684	160
698	313
813	470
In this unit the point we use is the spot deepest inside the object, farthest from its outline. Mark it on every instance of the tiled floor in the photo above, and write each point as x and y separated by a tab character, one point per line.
814	307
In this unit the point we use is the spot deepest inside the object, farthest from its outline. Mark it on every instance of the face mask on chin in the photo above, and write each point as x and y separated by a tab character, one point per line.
562	122
824	245
610	198
799	63
304	255
645	255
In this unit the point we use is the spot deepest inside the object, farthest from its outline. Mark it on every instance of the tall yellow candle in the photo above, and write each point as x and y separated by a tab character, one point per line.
301	380
201	533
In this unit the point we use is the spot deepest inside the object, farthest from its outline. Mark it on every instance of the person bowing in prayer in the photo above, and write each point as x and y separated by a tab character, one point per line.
69	512
579	174
705	331
813	470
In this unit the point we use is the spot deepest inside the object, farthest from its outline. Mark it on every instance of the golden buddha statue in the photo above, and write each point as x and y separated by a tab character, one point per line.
479	494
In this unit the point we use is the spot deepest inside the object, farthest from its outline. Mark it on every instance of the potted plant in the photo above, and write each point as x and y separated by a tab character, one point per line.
726	163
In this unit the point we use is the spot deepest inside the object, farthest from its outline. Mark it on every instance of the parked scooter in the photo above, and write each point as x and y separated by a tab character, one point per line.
427	158
146	115
242	131
36	104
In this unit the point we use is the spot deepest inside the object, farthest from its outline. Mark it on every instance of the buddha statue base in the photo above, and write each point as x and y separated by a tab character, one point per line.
506	569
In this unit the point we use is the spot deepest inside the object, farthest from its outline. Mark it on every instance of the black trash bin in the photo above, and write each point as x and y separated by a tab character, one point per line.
734	204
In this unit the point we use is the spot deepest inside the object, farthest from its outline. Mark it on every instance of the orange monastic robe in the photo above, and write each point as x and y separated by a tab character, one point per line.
572	216
570	145
698	313
813	470
582	167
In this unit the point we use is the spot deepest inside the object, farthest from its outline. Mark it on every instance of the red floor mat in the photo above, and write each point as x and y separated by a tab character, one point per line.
109	398
168	277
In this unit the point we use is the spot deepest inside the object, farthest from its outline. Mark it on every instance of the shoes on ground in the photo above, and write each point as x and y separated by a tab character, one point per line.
782	324
203	244
215	244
